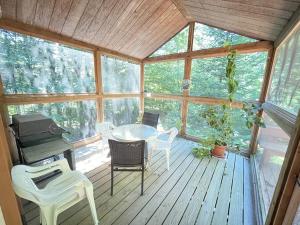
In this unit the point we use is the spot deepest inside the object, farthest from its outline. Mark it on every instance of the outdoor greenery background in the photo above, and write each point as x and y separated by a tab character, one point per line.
32	65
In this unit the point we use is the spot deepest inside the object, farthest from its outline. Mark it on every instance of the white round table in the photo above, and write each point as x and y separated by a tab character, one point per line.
134	132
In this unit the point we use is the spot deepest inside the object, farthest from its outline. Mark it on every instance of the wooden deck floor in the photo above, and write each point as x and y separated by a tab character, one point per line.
193	191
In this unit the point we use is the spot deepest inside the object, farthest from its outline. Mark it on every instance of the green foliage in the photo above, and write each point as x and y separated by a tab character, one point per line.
169	111
35	66
209	37
121	111
252	114
285	85
219	118
248	73
232	84
204	147
164	77
201	152
177	44
79	118
119	76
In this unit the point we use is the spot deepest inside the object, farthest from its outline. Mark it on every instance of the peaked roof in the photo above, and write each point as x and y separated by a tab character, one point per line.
138	27
260	19
132	27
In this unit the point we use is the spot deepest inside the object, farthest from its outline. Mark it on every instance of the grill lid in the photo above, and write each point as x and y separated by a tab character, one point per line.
33	124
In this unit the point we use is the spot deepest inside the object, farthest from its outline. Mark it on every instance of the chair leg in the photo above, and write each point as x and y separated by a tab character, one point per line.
49	216
112	181
90	196
142	185
168	158
41	217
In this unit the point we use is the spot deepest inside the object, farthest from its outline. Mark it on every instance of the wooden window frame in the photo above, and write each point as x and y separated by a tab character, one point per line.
186	98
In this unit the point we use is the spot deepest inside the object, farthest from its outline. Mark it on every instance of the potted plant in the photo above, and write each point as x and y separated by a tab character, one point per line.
219	119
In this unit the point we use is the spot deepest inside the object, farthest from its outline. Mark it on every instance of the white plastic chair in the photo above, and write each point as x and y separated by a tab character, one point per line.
161	143
58	195
105	129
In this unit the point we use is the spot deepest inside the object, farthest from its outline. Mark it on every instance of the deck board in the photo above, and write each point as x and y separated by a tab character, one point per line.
237	197
193	191
223	203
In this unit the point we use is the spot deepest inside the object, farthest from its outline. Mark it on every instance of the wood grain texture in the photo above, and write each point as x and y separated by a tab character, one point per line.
59	15
214	52
139	27
292	25
43	13
181	195
126	26
8	201
75	13
62	39
258	19
87	17
8	9
26	11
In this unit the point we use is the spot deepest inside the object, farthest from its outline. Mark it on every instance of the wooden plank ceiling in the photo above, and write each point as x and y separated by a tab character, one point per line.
260	19
131	27
138	27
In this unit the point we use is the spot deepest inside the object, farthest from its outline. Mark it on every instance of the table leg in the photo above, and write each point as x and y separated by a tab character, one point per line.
70	156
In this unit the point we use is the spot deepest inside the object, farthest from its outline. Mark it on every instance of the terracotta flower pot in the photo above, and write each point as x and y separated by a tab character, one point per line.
219	151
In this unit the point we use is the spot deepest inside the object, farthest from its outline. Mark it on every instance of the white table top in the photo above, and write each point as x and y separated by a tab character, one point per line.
134	132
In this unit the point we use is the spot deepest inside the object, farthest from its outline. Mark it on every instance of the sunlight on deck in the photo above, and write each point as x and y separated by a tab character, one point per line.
91	156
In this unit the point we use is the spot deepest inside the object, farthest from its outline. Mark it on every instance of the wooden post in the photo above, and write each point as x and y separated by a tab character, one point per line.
142	87
262	98
293	205
5	120
8	201
98	80
187	76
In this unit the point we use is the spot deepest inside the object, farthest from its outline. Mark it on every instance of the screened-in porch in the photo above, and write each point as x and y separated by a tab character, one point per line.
215	73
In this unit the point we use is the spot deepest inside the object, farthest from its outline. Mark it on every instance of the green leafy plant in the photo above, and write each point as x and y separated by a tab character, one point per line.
232	83
252	114
219	118
204	148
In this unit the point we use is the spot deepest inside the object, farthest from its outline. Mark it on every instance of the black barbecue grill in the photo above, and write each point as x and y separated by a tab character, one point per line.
38	138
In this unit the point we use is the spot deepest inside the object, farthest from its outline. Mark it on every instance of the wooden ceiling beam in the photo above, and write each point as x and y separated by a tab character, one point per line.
214	52
58	38
180	6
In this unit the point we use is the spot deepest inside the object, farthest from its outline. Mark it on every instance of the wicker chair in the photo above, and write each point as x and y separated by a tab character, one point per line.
127	156
150	119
